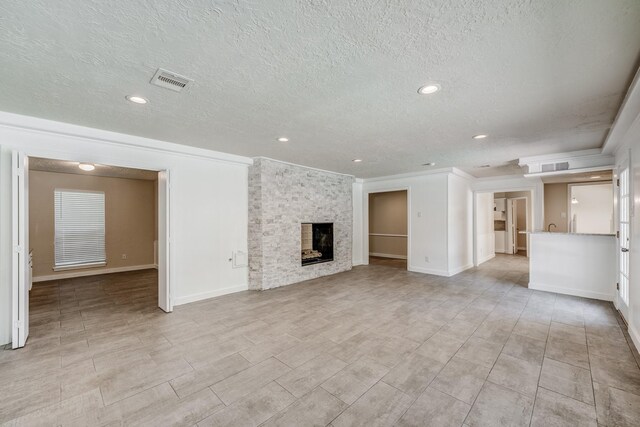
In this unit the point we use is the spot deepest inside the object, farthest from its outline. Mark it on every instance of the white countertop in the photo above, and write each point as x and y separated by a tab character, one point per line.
572	234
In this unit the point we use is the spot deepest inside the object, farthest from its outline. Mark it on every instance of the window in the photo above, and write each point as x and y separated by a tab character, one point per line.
79	228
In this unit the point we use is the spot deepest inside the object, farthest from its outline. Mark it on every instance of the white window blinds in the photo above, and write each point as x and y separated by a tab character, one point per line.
79	225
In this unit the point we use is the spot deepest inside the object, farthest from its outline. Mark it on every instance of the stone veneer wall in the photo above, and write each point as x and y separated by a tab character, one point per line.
281	197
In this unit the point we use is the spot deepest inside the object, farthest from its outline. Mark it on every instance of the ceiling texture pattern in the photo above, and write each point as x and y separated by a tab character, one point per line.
338	78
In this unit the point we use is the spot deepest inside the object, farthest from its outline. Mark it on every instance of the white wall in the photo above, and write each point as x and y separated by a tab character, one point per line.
429	234
594	211
513	184
484	227
460	224
573	264
208	204
357	251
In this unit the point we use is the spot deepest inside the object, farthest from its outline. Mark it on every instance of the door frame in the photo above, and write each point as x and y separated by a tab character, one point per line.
619	303
20	282
165	277
365	221
530	214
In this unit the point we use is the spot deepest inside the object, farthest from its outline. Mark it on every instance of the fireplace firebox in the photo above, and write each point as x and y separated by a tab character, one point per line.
316	242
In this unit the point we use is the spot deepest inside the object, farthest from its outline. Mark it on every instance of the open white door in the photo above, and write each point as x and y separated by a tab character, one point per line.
20	260
512	230
164	243
624	240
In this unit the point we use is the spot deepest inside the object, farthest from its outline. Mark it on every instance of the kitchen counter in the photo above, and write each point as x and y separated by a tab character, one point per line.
572	234
574	264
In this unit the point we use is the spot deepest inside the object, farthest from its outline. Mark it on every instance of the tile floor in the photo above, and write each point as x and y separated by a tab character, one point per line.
374	346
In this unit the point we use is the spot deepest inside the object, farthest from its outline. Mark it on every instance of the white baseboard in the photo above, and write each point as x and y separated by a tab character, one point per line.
459	270
635	337
433	271
487	258
571	291
387	255
210	294
93	272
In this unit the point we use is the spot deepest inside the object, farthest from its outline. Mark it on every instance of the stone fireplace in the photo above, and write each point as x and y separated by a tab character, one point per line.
316	242
287	203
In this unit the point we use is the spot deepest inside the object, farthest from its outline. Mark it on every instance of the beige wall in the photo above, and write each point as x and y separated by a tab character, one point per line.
130	218
388	215
555	206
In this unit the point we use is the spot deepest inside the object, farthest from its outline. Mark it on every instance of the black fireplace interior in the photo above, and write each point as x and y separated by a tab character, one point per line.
317	242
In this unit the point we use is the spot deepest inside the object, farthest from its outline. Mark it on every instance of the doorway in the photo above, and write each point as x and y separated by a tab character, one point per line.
93	233
517	240
502	221
388	228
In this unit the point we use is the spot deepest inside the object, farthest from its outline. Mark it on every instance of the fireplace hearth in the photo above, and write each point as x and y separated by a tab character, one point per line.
316	242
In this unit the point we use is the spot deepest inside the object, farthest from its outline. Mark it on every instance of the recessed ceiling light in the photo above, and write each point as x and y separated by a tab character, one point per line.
429	89
574	201
86	167
596	177
429	164
480	136
136	99
283	139
356	160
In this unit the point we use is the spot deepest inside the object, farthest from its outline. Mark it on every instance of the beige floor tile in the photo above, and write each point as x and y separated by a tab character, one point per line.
525	348
208	375
616	407
553	409
497	406
150	366
461	379
480	351
568	380
253	409
440	347
435	409
308	376
317	408
382	405
249	380
516	374
567	352
354	380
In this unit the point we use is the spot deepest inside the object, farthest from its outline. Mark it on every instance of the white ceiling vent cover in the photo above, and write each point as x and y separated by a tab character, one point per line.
170	80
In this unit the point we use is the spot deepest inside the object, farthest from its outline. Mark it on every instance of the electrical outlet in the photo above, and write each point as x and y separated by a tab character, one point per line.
124	256
426	259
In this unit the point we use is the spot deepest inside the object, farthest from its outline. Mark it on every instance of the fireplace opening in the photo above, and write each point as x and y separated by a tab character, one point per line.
316	242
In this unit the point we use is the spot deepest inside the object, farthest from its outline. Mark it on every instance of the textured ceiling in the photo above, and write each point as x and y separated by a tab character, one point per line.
61	166
339	78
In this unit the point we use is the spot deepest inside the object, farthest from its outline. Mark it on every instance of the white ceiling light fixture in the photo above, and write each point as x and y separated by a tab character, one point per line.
356	160
86	167
429	89
574	201
136	99
480	136
429	164
283	139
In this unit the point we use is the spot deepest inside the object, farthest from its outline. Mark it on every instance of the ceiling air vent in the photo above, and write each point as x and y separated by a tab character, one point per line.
552	167
170	80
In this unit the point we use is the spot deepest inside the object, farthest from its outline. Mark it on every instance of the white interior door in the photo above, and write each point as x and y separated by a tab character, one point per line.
164	243
20	259
512	230
624	241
